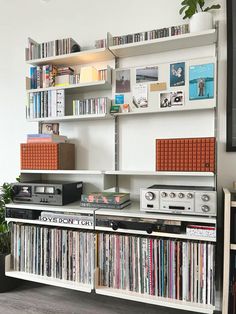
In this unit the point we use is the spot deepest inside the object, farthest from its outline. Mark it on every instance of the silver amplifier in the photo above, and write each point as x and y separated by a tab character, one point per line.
179	200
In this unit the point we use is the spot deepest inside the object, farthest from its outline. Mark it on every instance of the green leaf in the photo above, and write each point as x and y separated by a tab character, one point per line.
213	7
201	4
182	9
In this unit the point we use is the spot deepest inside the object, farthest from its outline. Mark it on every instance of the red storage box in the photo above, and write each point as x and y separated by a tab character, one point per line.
186	154
48	156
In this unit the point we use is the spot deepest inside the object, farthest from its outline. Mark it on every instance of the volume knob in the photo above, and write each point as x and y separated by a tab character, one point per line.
189	195
172	195
181	195
58	191
205	208
205	198
114	225
149	196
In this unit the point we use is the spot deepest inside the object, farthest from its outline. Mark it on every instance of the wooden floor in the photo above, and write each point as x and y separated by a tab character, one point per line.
41	299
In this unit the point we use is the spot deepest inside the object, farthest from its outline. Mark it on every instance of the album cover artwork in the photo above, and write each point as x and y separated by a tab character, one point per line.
123	81
147	74
140	96
171	99
177	74
201	81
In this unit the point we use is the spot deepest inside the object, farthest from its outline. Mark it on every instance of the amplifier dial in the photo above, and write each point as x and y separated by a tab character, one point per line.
205	208
114	225
163	194
58	191
205	198
189	195
181	195
149	196
172	195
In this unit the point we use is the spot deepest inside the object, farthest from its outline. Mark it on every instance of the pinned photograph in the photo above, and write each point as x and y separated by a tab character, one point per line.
123	81
201	81
177	74
171	99
140	96
147	74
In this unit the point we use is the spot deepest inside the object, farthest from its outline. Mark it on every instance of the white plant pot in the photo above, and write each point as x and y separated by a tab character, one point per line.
200	22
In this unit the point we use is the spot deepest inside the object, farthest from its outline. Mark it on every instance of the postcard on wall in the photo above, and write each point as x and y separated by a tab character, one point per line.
201	81
171	99
157	87
177	74
123	81
140	96
119	99
147	74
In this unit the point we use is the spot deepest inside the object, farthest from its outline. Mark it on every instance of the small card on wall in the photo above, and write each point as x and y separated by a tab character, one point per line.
157	87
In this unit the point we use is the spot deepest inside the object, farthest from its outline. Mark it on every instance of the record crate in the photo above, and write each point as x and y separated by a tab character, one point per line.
186	154
48	156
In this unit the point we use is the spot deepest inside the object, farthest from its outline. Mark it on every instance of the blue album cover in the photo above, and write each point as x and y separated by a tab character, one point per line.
177	74
119	99
201	81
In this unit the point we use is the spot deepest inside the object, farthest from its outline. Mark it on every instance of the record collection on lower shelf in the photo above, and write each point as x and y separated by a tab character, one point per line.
53	252
181	270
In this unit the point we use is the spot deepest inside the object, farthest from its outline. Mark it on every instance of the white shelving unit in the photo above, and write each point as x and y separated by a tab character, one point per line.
176	304
170	43
82	57
111	178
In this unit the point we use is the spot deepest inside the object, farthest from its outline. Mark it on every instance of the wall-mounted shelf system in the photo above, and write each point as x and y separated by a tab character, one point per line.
112	178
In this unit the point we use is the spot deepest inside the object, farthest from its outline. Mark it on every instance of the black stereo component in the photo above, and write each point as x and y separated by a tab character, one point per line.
47	192
117	223
22	213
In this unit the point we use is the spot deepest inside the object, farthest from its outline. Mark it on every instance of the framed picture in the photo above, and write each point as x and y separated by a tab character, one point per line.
171	99
49	128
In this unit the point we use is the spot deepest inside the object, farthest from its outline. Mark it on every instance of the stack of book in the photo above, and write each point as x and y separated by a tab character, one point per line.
91	106
111	200
46	138
46	104
49	49
149	35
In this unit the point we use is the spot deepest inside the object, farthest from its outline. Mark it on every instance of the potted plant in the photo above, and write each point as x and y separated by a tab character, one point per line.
200	18
6	283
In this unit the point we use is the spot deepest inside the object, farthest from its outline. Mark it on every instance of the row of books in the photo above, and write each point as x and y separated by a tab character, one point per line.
53	252
46	104
91	106
181	270
111	200
232	285
153	34
50	75
49	49
100	43
46	138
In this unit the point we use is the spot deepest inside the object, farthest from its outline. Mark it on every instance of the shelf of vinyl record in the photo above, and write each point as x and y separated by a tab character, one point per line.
157	271
52	266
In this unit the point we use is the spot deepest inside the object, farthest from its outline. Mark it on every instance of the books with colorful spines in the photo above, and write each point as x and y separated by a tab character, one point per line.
105	205
105	197
46	138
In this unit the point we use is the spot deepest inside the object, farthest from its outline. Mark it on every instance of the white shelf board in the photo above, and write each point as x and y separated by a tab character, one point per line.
82	57
160	173
73	118
233	247
165	110
134	211
184	41
51	224
50	281
177	304
73	172
77	88
158	234
70	208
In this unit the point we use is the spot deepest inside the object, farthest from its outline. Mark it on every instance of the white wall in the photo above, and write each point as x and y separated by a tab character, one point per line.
85	21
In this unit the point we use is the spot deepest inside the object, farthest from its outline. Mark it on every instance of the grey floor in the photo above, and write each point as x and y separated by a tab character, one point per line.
41	299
